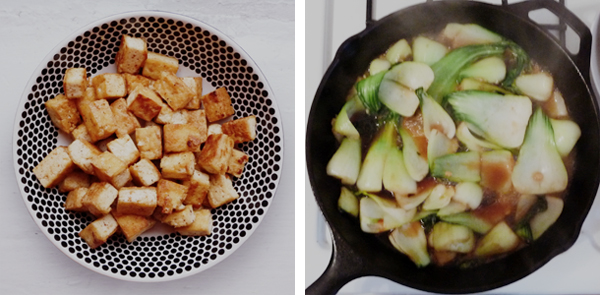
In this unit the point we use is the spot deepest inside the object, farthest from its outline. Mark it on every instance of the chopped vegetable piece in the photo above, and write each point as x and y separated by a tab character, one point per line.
368	89
490	69
539	168
395	176
379	65
416	164
398	52
498	240
501	119
474	84
411	74
469	220
410	239
428	51
531	206
398	97
566	134
538	86
451	237
463	134
379	214
439	145
370	177
345	163
543	220
348	202
452	208
413	201
468	193
434	116
343	126
496	170
469	34
458	167
439	197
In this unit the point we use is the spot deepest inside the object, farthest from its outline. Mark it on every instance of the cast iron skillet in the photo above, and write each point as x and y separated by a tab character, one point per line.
357	254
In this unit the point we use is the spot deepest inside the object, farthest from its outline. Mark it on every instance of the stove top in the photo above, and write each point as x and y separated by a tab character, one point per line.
331	22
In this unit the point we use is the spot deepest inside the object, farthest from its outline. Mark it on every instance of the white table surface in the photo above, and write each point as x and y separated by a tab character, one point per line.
30	264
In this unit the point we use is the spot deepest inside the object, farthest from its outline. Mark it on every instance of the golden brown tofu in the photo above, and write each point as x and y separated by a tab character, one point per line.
217	105
214	128
74	180
181	138
168	116
157	63
197	118
99	198
237	161
107	166
133	226
75	83
214	157
98	232
137	200
221	190
198	185
173	90
81	133
125	120
178	165
122	179
131	55
170	195
180	218
144	172
202	225
241	130
109	86
195	84
149	142
74	201
125	149
82	153
54	167
133	81
144	103
63	113
99	119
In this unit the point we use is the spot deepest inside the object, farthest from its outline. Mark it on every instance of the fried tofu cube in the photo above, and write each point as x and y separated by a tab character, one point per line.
74	180
195	84
88	96
125	149
122	179
63	113
131	55
241	130
214	128
198	185
144	172
137	200
237	161
125	120
109	86
149	142
75	199
144	103
217	105
221	190
173	90
214	157
202	225
133	226
81	133
99	198
180	218
157	63
134	81
54	167
107	166
168	116
170	195
99	119
181	138
178	165
98	232
75	83
197	118
82	153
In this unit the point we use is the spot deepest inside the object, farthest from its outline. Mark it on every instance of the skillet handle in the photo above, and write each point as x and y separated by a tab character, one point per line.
344	266
582	58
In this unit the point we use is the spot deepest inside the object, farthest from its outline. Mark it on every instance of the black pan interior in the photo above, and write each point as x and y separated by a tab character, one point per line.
352	60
